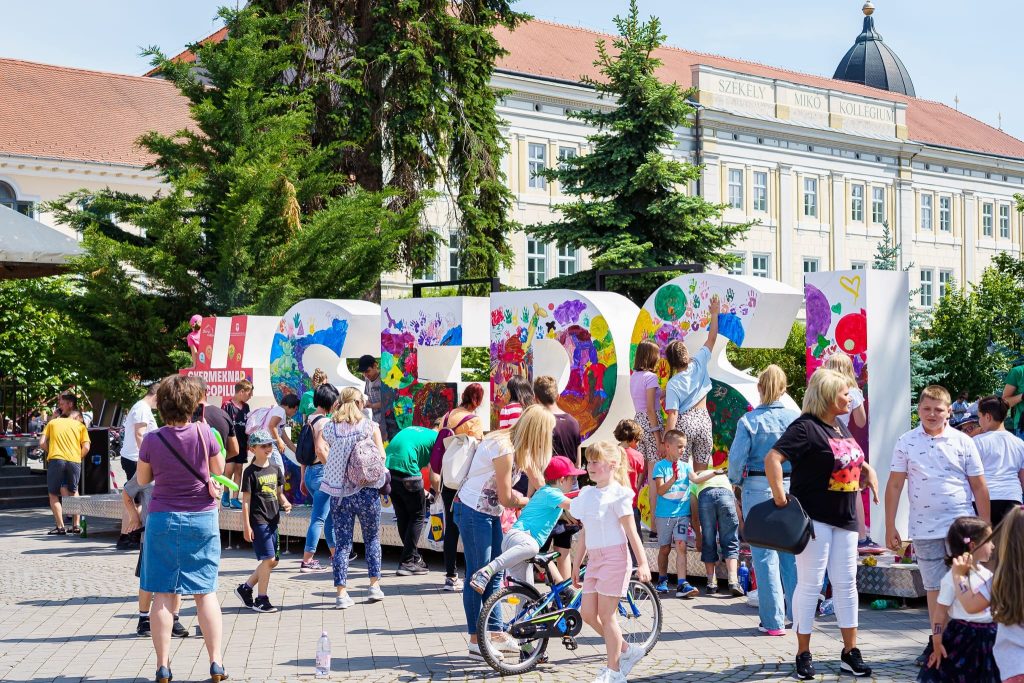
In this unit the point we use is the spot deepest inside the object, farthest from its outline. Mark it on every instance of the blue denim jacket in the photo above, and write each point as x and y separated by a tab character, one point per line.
756	433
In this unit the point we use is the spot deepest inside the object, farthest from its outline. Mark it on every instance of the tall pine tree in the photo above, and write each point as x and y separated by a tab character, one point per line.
255	217
629	209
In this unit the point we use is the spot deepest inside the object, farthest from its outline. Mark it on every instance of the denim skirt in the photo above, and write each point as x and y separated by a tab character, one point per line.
181	553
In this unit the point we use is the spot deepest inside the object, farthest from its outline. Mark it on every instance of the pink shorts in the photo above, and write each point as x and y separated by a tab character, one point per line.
608	571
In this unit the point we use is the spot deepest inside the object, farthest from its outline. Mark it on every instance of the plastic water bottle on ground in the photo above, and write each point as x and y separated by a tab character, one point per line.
743	574
323	656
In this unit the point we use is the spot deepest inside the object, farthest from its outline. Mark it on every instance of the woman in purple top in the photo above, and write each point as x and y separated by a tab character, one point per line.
182	550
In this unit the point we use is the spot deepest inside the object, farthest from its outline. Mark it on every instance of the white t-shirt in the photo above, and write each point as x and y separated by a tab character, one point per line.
276	457
140	413
600	510
480	491
856	401
1002	454
1009	647
937	468
948	593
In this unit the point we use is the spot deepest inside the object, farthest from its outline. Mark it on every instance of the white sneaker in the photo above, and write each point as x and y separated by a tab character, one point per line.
629	659
609	676
375	594
474	651
343	601
504	643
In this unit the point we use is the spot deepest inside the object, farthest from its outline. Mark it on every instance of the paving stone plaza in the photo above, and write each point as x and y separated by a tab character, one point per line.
68	613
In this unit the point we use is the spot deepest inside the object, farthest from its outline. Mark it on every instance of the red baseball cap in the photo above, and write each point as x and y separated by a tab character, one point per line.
561	466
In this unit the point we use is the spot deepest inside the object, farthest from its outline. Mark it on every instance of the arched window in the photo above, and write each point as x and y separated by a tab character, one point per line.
9	199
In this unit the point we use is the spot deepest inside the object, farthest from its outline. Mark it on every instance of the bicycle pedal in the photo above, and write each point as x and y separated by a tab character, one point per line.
570	643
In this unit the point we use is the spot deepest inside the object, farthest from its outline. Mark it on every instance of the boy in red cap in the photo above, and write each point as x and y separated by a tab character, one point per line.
534	525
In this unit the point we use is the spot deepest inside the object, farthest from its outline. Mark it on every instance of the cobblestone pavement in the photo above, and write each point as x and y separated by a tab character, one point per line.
68	613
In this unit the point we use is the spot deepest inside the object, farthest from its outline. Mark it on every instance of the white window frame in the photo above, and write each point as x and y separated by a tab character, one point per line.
878	205
741	267
735	179
567	153
568	260
926	286
987	219
1004	221
857	203
453	257
536	164
811	265
766	271
945	214
945	278
810	198
536	262
761	191
858	265
927	211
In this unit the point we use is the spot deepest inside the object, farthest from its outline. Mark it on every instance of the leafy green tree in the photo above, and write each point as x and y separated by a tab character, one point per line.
30	332
255	216
792	358
630	209
404	86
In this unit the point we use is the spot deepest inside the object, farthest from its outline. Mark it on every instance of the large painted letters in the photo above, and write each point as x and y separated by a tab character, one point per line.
420	356
755	312
578	337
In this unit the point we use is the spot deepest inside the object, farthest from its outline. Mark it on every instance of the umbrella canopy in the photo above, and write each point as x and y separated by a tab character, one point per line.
29	248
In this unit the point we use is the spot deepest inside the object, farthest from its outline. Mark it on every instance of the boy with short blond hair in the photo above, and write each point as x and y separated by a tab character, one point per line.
944	473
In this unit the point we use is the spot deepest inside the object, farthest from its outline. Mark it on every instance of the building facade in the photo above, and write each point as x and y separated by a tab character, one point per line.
820	163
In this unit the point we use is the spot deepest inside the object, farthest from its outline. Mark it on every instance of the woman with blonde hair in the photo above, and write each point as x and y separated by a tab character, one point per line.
686	393
645	390
498	461
348	430
828	473
756	434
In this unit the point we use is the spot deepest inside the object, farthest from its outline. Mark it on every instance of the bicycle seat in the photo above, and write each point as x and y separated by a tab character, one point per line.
544	559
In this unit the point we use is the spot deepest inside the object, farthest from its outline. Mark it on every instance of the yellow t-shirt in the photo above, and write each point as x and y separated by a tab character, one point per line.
65	438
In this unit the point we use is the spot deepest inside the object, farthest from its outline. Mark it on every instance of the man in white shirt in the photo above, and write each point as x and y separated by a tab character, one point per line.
138	421
945	475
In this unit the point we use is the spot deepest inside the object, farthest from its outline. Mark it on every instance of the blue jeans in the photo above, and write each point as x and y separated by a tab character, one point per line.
775	571
320	519
481	544
716	508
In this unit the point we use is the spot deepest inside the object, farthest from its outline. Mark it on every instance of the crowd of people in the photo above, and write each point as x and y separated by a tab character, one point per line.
520	494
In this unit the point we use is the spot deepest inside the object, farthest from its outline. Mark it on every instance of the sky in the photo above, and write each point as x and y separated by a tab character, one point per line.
951	49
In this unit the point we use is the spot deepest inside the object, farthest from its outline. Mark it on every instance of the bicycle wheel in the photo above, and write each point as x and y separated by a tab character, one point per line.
505	654
639	615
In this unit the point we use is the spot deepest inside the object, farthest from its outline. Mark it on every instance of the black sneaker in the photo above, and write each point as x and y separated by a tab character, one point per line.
262	604
178	631
804	667
851	662
142	630
711	588
411	568
244	593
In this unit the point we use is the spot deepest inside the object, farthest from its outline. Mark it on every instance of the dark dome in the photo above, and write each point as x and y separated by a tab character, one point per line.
871	62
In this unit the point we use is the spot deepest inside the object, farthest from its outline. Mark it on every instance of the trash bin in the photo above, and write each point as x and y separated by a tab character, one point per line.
96	465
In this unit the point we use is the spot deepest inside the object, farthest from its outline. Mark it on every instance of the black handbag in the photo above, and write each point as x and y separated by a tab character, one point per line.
787	529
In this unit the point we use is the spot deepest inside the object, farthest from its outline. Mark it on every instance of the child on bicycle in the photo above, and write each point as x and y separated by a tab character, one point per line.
606	511
538	518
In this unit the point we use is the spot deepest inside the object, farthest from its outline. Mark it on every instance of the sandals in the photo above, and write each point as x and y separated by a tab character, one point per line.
77	530
57	531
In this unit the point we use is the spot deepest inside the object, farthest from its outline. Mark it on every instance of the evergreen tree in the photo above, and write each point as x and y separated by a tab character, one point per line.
629	209
404	85
255	217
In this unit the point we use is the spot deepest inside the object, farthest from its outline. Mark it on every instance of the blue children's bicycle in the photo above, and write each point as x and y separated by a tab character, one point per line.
516	622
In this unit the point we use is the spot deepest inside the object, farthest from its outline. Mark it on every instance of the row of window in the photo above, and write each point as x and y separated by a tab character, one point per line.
760	265
927	279
567	258
810	196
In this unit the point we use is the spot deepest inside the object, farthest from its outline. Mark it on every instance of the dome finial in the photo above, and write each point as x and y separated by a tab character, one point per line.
868	8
